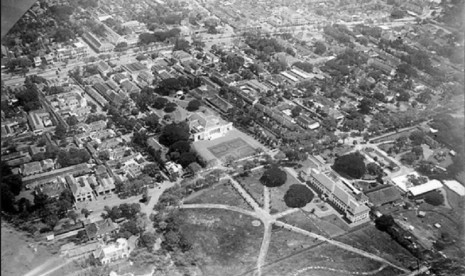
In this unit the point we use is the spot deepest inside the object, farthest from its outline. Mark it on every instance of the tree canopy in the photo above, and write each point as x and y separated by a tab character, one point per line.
298	196
351	164
173	133
273	177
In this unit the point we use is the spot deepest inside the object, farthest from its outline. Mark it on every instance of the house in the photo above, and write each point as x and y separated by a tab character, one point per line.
96	96
105	185
134	68
129	87
306	122
31	168
207	127
194	168
37	61
219	103
103	68
39	120
383	195
120	77
80	188
424	188
113	251
321	177
96	44
101	229
173	168
181	56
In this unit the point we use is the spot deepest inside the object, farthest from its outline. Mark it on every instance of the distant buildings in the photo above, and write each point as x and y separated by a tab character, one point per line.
96	44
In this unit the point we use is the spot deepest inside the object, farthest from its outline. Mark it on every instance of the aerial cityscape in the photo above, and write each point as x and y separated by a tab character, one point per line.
232	138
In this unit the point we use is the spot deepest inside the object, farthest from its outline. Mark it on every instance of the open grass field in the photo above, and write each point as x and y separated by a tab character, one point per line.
252	184
234	143
277	194
228	242
19	259
380	243
305	221
326	256
219	194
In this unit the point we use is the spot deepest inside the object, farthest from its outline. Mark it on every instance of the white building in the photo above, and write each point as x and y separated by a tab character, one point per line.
207	127
113	251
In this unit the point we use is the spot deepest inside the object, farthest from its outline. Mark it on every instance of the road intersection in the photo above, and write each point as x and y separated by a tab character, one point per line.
269	220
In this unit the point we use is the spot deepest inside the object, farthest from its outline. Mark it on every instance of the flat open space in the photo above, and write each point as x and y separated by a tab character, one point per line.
227	241
330	260
236	148
234	143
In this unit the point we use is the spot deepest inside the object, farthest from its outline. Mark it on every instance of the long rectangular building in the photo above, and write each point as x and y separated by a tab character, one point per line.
321	177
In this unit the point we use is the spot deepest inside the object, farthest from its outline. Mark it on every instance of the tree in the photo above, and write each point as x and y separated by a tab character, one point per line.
434	198
181	44
170	107
417	150
384	222
295	112
403	96
409	158
85	212
365	105
320	48
424	97
148	239
73	216
160	103
180	146
60	131
374	169
186	158
151	121
305	66
417	137
273	177
151	169
193	105
351	164
174	132
298	196
72	120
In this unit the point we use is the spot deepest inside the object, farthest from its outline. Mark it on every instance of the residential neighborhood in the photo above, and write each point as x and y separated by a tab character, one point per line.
205	137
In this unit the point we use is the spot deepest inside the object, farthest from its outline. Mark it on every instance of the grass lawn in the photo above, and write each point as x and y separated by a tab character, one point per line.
337	221
305	221
380	243
284	243
219	194
252	184
18	258
228	242
277	194
324	255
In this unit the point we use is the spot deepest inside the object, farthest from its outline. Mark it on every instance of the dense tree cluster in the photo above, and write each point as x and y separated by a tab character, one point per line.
28	98
351	164
160	36
297	196
273	177
167	86
305	66
173	133
73	156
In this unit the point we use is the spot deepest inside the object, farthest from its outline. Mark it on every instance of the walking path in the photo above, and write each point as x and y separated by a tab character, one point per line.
268	220
343	272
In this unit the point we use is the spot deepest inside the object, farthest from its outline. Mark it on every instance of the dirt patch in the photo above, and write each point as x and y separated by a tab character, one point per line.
327	256
228	246
220	194
380	243
20	257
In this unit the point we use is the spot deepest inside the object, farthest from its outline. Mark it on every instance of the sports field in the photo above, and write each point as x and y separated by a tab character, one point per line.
236	148
234	143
